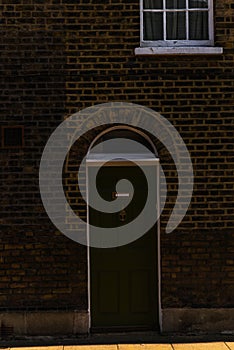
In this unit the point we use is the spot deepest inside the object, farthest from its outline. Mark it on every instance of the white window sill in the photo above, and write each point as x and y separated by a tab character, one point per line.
190	50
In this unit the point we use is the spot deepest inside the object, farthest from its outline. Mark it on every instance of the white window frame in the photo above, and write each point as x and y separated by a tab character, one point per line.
178	43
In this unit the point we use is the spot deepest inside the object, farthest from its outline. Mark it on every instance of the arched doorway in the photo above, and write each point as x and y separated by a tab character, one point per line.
124	281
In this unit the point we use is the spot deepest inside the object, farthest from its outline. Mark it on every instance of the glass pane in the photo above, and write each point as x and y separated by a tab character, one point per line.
153	4
176	4
176	28
198	25
198	4
153	26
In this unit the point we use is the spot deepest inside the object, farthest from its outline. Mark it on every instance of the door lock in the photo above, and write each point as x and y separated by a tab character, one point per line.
122	215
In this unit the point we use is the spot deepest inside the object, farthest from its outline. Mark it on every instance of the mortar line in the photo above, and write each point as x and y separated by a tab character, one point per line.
227	346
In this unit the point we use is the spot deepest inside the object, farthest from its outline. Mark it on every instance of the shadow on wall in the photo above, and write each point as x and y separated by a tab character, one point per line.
33	65
32	82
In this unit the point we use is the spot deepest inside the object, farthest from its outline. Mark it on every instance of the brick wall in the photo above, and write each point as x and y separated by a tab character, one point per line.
40	268
58	57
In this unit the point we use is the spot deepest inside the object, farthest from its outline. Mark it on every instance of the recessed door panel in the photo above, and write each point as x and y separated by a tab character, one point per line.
139	289
108	291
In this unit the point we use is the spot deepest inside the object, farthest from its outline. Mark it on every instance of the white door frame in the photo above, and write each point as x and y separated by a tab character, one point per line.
97	162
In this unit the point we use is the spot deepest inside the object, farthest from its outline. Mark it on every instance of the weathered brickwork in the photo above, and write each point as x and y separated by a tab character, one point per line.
60	56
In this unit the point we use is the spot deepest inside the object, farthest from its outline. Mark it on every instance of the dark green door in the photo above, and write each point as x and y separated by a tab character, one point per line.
124	279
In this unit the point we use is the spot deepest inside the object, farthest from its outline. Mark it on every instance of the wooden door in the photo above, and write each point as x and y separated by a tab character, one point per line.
124	279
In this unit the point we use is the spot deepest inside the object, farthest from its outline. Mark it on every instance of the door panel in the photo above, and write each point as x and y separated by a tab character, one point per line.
139	297
123	279
108	298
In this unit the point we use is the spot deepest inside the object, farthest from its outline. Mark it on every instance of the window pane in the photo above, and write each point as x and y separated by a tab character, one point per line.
153	26
176	4
198	4
198	25
176	29
153	4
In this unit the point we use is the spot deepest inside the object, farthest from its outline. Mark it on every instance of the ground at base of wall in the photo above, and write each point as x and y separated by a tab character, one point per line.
118	338
175	321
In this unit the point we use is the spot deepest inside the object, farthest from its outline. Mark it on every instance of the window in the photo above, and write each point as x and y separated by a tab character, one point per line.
176	23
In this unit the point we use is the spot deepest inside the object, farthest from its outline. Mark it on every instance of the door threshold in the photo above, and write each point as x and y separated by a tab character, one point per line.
121	329
125	337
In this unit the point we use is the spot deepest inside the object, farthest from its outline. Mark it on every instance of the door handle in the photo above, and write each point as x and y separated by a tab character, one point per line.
116	194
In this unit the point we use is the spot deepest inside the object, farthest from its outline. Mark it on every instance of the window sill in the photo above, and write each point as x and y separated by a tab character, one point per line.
190	50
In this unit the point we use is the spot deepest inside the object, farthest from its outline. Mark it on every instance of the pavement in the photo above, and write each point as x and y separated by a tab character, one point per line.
172	346
124	341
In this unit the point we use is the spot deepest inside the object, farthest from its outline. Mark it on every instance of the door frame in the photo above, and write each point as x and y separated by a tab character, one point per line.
97	162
